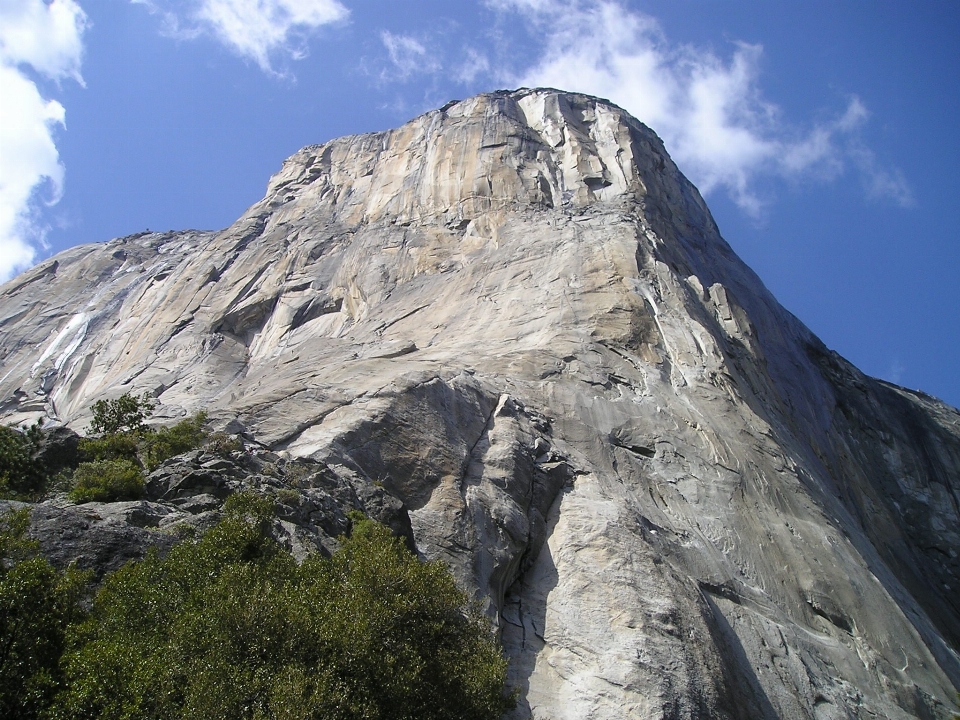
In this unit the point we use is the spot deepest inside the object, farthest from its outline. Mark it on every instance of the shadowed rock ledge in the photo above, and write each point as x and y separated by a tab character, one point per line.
516	319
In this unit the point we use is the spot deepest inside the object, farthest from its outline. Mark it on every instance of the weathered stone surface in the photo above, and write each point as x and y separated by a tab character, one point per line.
517	318
184	497
100	537
58	449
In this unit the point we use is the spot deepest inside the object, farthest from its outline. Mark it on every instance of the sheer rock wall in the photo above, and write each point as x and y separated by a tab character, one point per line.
517	317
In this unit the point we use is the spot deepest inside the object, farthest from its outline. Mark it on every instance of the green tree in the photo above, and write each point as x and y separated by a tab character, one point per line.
37	605
126	413
230	626
115	460
22	476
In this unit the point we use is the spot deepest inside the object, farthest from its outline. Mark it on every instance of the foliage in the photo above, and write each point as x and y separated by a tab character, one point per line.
403	640
163	443
222	444
112	468
230	626
126	413
14	546
22	476
37	605
112	446
115	459
288	496
106	481
297	474
153	445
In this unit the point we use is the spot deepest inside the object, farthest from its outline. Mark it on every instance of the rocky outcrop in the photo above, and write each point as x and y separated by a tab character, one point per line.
185	495
515	317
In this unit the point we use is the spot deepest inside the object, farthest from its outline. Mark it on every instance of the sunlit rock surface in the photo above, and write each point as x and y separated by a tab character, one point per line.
516	316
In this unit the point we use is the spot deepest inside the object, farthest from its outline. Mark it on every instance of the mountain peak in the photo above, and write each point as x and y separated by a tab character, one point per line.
538	148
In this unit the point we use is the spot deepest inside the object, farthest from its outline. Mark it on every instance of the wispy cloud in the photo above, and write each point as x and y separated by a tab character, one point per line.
473	64
879	183
408	56
259	30
709	109
895	371
416	67
37	40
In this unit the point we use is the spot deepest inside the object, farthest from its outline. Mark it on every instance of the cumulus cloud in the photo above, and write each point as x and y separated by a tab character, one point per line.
708	109
37	40
259	30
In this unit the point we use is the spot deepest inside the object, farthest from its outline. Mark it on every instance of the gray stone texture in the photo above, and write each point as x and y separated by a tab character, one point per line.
517	318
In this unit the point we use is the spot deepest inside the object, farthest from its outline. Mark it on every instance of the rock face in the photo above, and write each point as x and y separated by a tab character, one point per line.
516	317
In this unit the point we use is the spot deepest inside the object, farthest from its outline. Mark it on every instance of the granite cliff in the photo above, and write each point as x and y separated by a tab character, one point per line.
515	320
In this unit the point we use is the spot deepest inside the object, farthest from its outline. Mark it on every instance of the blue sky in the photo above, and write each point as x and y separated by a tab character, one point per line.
824	135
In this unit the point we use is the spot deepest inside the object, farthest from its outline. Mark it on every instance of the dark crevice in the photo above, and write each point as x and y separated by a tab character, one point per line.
640	450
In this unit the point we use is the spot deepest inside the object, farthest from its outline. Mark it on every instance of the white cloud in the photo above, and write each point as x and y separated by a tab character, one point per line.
709	110
45	37
895	371
408	56
880	183
259	30
472	65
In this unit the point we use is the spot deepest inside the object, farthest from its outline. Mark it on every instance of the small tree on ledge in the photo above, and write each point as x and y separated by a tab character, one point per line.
124	414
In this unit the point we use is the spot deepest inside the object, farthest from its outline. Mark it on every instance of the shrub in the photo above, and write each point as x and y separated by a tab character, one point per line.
123	414
298	474
163	443
224	445
231	626
115	459
113	446
106	481
288	496
22	476
37	605
402	641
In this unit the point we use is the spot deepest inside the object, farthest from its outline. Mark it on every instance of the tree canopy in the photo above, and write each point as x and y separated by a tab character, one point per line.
21	474
126	413
230	626
38	605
